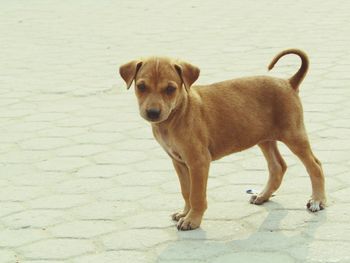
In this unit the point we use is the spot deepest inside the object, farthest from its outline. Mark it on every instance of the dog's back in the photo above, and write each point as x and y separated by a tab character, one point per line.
264	107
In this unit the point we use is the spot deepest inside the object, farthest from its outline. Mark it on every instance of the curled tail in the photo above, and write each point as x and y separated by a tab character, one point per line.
298	77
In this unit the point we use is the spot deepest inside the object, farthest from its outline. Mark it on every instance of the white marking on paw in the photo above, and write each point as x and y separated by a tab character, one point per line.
314	206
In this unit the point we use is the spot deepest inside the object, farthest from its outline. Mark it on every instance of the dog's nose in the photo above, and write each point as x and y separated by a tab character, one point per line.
153	114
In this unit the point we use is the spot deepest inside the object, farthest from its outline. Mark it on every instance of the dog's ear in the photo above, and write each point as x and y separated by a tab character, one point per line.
129	70
188	73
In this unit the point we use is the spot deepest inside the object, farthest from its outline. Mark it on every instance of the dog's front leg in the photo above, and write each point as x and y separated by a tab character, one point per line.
198	169
184	178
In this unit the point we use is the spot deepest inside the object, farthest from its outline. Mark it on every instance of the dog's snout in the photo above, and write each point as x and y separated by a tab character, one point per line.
153	114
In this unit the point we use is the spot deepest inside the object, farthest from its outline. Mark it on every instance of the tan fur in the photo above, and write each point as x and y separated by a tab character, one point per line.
200	124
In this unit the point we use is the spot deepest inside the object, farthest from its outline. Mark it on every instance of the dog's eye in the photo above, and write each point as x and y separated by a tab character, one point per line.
170	90
141	87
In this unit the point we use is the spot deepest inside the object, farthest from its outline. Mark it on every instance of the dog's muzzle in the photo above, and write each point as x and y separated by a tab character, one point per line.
153	114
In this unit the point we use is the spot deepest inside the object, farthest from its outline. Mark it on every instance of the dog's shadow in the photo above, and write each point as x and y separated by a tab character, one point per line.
270	242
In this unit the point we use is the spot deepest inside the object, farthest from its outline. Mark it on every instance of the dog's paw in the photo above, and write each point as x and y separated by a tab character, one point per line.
189	222
258	199
314	205
178	215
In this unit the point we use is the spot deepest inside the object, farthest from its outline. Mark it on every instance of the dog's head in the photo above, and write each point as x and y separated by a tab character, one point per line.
160	85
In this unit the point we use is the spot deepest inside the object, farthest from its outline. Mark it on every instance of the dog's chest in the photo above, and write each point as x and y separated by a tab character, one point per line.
163	138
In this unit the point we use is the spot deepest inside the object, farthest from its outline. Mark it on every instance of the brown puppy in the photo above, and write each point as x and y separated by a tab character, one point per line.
199	124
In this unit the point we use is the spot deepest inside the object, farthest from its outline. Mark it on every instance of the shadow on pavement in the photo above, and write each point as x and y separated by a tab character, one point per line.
268	243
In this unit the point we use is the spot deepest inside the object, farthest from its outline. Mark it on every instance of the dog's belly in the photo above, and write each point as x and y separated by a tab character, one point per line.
217	154
234	144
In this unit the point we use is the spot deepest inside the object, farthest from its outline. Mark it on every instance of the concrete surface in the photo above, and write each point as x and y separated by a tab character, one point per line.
81	178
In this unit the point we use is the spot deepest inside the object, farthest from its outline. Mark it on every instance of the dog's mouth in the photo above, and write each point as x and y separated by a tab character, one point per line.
154	120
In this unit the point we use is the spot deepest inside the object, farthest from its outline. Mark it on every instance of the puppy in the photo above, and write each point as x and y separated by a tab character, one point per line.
199	124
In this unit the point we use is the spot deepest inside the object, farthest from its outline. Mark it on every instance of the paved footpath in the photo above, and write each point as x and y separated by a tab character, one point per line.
81	178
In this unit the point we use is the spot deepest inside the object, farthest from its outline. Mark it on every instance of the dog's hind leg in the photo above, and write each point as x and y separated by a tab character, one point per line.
300	146
277	168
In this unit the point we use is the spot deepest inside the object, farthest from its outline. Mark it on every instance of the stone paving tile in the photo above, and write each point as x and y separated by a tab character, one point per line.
34	219
82	229
102	171
8	256
119	157
44	143
81	150
10	237
162	202
59	201
125	194
81	177
23	157
148	219
114	256
36	178
84	185
192	250
21	193
8	208
104	210
58	248
136	239
62	164
266	257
